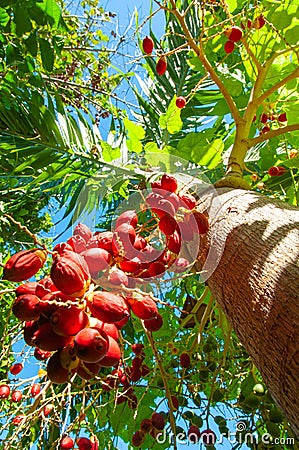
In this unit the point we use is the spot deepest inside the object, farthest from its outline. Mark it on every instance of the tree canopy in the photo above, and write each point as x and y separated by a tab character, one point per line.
215	100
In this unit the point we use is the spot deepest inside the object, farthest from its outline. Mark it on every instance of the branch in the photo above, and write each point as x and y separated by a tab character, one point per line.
264	137
213	75
275	87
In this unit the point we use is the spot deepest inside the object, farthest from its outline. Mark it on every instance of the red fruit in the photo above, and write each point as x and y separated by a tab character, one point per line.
234	34
169	183
259	22
55	372
16	368
70	274
118	277
68	320
185	360
84	443
4	391
137	362
45	286
135	375
145	370
87	371
174	243
132	266
24	264
101	240
146	425
129	217
25	307
167	225
276	171
180	265
97	259
62	247
282	117
194	434
35	390
113	354
47	306
249	23
46	339
84	231
91	345
200	225
148	45
108	307
26	288
229	47
158	421
264	117
180	102
156	269
187	201
77	243
161	66
121	323
140	243
265	129
18	419
208	437
144	307
41	355
123	240
138	438
153	324
137	348
173	199
66	443
16	396
109	328
175	402
48	409
29	329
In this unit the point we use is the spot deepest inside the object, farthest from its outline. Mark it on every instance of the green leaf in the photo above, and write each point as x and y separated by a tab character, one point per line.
47	54
135	131
109	153
171	120
201	149
22	21
4	17
52	10
31	44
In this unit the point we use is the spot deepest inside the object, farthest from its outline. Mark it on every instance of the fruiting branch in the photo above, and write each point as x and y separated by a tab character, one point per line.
272	133
213	75
25	229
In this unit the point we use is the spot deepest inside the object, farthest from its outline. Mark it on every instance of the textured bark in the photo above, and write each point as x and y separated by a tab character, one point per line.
256	281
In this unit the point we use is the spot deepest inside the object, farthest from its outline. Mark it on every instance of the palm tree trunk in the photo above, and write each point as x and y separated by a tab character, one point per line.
256	282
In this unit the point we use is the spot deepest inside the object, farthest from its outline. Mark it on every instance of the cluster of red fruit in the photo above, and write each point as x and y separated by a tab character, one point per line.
83	443
235	34
267	118
77	327
153	426
148	47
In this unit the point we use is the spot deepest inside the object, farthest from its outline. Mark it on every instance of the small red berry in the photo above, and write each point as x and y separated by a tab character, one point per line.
138	438
4	391
259	22
16	368
282	117
180	102
16	396
167	225
18	419
66	443
234	34
146	425
35	390
84	443
276	171
148	45
208	437
175	403
48	409
161	66
264	117
137	348
169	183
194	434
185	360
229	47
265	129
153	324
158	421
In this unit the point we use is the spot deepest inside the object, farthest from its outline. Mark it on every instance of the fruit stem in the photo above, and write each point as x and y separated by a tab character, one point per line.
165	383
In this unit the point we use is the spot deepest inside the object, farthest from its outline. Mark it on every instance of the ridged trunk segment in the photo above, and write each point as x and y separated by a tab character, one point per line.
256	281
